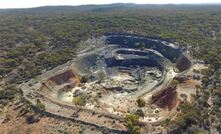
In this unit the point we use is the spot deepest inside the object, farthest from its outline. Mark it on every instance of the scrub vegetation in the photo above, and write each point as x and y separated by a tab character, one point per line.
33	41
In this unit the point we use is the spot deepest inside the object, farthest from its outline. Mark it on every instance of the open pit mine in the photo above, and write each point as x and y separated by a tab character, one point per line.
101	85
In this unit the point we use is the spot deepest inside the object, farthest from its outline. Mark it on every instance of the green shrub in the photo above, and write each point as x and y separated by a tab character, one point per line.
140	102
40	106
174	82
132	124
140	113
79	100
84	79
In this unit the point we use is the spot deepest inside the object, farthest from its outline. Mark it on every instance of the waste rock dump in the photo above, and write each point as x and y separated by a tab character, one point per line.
106	78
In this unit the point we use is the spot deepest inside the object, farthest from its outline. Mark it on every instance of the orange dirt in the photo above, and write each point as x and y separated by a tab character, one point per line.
64	77
46	125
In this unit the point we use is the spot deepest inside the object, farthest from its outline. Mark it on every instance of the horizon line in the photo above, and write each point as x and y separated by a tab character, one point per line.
69	5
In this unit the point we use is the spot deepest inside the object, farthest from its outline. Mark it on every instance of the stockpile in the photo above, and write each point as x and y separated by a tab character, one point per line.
167	98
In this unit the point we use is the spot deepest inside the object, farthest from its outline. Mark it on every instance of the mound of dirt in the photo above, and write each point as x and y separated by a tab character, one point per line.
166	98
183	63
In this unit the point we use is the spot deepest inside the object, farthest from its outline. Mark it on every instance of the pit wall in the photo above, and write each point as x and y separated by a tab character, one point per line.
174	54
83	63
142	62
64	77
63	81
183	63
127	41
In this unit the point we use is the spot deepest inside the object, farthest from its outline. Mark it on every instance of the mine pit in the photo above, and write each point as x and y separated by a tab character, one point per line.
109	78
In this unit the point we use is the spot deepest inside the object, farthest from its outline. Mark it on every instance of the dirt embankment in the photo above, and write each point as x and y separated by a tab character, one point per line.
64	77
68	79
183	63
167	98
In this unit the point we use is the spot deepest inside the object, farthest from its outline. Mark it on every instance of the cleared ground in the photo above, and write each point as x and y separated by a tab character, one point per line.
102	84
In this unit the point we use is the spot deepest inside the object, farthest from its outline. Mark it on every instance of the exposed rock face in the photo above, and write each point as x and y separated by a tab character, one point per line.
63	81
183	63
166	98
63	77
130	41
132	62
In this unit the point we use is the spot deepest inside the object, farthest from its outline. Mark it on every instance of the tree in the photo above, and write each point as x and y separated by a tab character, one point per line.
84	79
174	83
189	115
79	100
140	113
140	102
132	124
40	106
